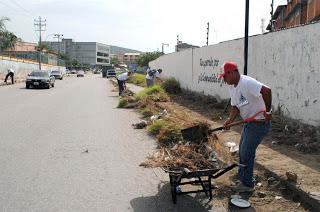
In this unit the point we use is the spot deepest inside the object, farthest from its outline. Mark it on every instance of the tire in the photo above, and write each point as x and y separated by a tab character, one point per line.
27	86
52	85
61	78
48	87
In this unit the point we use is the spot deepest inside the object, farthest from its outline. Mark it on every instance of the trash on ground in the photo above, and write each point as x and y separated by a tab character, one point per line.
278	197
140	125
241	203
232	146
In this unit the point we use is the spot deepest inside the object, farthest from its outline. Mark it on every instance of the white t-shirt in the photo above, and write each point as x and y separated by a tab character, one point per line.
10	70
156	74
247	97
123	76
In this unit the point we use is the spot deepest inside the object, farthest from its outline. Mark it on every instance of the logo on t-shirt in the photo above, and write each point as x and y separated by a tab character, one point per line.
242	101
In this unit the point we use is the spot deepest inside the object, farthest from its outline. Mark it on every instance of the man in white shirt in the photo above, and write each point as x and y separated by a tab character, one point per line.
151	74
122	81
10	74
248	98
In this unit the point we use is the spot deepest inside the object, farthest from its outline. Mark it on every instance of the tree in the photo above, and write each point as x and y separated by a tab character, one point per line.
2	24
44	46
115	61
148	57
7	39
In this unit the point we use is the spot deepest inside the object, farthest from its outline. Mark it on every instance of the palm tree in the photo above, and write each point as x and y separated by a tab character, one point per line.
2	25
7	39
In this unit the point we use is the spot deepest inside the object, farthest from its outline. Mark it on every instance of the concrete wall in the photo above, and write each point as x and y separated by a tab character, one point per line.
288	61
21	68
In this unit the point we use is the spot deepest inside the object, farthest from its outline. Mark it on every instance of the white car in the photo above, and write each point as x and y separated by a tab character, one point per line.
80	73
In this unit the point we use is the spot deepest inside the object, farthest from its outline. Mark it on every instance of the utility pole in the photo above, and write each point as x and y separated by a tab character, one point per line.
207	33
246	39
58	37
262	25
271	19
164	44
40	25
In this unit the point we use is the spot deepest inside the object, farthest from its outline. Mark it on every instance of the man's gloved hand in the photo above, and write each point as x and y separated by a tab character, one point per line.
226	123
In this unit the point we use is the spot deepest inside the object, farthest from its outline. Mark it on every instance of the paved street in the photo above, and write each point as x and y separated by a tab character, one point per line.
70	149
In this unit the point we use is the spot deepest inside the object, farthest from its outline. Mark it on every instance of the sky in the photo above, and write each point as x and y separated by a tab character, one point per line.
142	25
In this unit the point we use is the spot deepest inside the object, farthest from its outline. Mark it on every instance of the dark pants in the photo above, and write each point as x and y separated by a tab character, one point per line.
10	74
121	86
251	136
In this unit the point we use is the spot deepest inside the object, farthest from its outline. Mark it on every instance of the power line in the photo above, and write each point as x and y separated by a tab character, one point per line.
27	14
22	8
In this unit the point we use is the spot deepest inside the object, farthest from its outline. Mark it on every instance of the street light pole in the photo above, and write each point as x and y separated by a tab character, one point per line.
246	39
58	37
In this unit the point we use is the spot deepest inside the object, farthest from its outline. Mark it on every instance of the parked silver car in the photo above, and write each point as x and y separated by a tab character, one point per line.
40	79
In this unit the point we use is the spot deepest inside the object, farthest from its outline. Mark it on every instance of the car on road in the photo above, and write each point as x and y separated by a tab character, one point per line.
80	73
73	71
57	74
40	79
97	71
111	73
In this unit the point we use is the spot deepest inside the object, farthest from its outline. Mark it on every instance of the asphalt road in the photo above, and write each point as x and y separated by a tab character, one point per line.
70	149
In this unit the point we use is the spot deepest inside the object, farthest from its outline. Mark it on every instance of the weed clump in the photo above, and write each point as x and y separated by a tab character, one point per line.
156	126
171	86
122	103
154	93
137	79
146	112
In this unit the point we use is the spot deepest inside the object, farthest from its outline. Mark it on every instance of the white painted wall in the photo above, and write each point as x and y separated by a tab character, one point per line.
288	61
22	68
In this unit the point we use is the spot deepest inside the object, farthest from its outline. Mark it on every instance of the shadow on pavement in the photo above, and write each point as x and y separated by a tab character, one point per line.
162	202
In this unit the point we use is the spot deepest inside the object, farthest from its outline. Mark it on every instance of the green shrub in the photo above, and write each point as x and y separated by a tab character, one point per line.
154	90
137	79
170	134
154	93
171	86
156	126
146	112
122	103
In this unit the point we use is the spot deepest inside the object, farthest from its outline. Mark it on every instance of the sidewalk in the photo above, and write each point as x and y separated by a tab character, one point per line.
277	160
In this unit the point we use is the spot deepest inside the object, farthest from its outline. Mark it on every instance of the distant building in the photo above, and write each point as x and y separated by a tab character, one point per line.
28	51
183	46
21	46
129	58
90	54
295	13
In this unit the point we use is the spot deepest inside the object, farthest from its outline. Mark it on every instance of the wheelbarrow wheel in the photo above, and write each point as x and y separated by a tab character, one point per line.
173	194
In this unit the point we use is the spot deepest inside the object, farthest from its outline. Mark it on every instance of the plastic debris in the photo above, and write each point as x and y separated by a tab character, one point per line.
140	125
278	197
